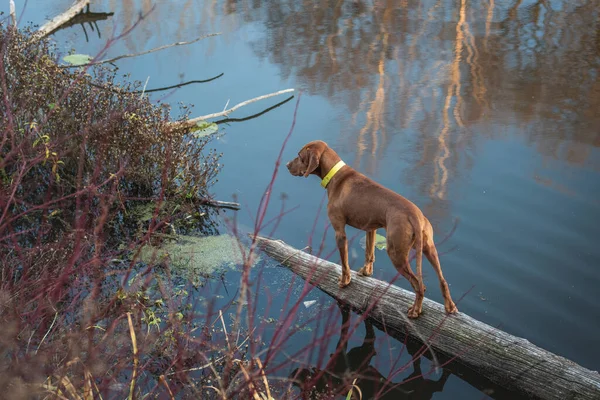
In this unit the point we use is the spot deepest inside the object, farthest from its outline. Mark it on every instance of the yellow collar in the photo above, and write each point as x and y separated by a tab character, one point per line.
331	173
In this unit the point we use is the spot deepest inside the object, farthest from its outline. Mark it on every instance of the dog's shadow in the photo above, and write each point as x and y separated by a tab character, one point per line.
352	369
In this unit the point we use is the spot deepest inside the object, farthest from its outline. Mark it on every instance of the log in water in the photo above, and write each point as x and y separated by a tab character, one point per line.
506	360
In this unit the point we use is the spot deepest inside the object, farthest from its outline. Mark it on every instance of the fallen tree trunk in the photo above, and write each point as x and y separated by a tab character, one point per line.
506	360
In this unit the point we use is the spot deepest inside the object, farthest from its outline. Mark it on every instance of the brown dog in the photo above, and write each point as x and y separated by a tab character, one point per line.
358	201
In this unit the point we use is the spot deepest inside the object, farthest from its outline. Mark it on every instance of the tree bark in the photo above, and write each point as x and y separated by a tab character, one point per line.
509	361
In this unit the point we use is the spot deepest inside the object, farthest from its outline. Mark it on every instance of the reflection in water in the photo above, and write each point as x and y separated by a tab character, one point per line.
435	73
390	61
352	369
83	17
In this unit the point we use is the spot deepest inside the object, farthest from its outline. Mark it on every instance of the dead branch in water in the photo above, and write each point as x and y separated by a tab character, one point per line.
179	85
191	122
258	114
60	19
222	204
110	60
85	17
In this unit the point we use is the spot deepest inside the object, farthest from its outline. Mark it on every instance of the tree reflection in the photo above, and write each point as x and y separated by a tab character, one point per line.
433	75
441	73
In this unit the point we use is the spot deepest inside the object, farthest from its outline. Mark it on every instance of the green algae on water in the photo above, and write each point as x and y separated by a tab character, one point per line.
198	256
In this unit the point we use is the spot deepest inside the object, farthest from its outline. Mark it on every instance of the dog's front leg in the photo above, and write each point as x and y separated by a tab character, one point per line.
342	245
367	269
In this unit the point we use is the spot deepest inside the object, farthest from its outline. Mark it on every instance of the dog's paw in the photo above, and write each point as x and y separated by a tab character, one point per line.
413	313
451	308
366	271
344	281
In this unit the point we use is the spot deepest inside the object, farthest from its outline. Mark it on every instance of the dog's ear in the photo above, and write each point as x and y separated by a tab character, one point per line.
312	158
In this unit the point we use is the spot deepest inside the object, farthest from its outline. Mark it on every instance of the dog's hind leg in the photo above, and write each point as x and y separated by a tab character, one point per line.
432	255
418	246
399	244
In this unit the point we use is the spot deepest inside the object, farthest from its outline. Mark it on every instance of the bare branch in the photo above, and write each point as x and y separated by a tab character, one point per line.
143	52
180	84
258	114
194	121
60	19
222	204
86	17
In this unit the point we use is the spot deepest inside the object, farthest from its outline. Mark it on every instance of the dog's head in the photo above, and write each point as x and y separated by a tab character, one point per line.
308	159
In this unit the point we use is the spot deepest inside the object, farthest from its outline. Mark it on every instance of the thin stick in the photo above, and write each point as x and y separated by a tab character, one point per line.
200	368
144	89
47	332
249	117
245	340
164	382
222	204
135	356
237	339
194	121
262	372
225	330
180	84
60	19
90	378
142	53
248	380
29	341
118	90
216	390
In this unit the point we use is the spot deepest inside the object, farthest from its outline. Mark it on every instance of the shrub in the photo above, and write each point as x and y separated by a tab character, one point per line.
89	172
